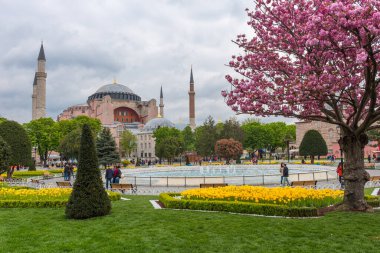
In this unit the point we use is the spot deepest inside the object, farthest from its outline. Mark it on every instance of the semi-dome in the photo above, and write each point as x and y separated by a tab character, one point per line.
115	91
155	123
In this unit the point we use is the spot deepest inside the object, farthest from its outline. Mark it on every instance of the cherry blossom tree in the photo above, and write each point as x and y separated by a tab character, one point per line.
314	60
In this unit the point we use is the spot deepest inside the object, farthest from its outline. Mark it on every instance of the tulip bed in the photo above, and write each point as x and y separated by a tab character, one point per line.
49	197
292	197
289	202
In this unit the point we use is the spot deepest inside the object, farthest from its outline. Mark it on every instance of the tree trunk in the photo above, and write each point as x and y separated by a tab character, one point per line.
312	159
354	174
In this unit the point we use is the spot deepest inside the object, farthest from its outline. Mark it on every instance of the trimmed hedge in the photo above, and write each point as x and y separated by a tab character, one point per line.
113	196
237	207
32	204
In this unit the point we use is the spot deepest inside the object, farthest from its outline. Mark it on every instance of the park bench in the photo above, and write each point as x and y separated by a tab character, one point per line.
374	181
64	184
1	179
47	176
124	187
36	181
212	185
307	184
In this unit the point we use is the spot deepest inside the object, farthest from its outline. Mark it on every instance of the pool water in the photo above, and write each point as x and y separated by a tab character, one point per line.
225	171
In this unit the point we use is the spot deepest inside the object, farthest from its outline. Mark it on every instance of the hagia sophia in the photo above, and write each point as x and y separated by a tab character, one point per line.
119	108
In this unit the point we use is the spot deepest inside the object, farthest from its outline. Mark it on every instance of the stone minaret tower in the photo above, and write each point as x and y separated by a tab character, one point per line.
161	103
191	101
39	87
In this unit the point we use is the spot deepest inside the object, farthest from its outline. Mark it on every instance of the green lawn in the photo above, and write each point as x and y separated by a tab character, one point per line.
134	226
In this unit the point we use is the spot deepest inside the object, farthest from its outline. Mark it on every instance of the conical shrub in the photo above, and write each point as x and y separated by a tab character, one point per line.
88	199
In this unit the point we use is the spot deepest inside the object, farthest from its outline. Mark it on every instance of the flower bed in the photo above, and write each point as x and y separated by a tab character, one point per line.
292	197
49	197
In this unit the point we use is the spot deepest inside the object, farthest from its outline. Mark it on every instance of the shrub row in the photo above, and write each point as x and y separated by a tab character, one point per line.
47	203
32	204
236	207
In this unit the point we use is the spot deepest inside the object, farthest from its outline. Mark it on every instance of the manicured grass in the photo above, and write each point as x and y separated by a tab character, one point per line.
134	226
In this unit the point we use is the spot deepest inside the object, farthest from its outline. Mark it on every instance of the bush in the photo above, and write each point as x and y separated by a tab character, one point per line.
88	198
237	207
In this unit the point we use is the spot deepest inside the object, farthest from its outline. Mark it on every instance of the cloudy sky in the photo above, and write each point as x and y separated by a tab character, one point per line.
143	44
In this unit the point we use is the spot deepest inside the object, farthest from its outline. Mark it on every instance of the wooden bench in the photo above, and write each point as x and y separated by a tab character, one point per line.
64	184
375	178
307	183
1	179
212	185
36	181
47	176
124	187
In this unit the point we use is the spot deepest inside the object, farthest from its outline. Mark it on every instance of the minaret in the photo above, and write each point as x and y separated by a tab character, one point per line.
191	101
161	103
39	87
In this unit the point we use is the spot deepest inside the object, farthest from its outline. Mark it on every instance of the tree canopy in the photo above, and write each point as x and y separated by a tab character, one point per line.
106	148
228	149
44	134
169	143
18	140
127	143
5	156
313	144
206	137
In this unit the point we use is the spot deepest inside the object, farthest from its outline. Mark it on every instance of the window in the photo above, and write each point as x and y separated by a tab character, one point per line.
146	155
142	146
150	154
145	145
149	146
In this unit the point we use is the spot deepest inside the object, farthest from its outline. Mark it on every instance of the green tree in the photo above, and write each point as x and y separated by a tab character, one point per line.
188	139
18	140
169	148
69	146
88	198
5	156
67	126
128	143
232	129
205	137
228	149
169	143
257	136
312	145
44	135
106	148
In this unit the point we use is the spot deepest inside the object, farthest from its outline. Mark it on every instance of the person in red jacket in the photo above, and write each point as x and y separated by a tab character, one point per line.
339	171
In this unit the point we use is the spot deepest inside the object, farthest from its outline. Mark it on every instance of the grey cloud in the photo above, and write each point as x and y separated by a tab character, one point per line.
143	44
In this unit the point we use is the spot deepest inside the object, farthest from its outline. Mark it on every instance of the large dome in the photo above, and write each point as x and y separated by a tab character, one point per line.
115	91
114	88
153	124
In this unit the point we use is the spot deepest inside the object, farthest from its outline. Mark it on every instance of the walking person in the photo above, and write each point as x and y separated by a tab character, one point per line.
282	172
369	158
66	172
108	176
339	171
71	171
116	175
285	175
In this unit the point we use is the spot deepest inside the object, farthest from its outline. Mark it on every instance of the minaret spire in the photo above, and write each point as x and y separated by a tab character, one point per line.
161	103
41	55
39	87
192	101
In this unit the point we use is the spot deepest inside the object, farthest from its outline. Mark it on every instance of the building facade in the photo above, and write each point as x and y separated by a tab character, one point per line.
119	109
